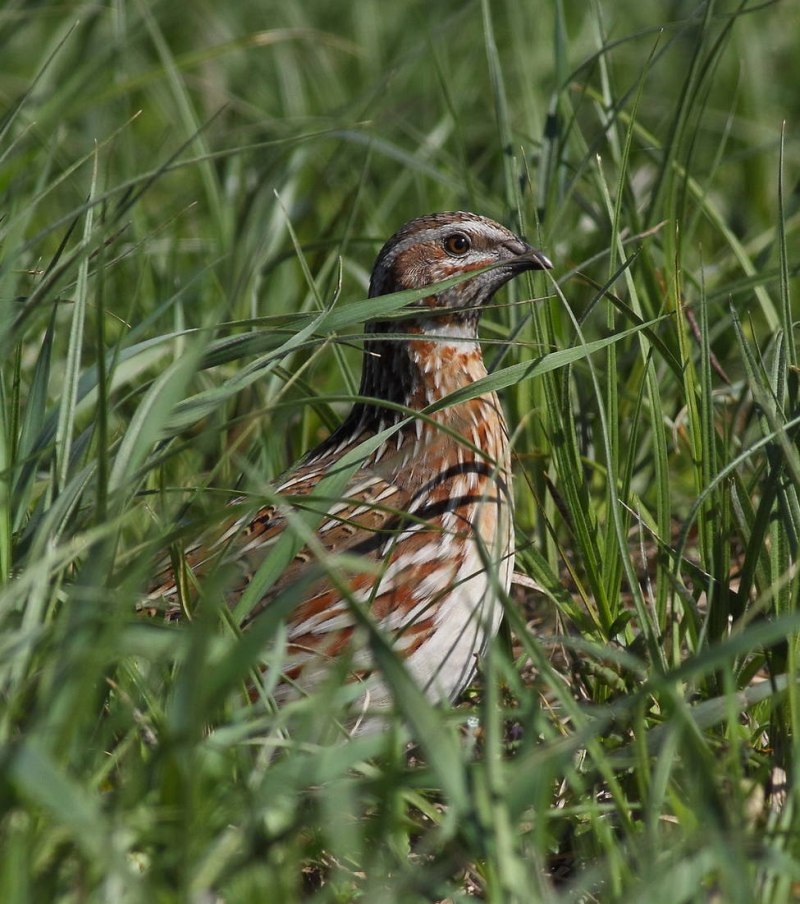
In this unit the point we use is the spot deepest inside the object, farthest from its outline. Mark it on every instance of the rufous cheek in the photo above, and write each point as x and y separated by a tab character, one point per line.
412	268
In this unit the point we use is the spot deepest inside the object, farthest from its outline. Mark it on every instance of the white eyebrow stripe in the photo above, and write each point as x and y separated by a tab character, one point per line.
435	233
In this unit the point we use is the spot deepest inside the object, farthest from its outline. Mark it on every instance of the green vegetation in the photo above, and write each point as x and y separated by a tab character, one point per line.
183	191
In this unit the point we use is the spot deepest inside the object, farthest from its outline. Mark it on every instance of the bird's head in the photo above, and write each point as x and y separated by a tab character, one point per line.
434	248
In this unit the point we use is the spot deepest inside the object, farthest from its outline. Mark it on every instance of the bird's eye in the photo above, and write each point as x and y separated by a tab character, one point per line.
457	244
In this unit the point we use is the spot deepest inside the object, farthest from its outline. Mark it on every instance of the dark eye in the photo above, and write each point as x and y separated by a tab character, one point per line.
457	244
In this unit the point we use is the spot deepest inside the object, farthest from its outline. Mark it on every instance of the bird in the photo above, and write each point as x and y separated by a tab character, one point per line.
425	519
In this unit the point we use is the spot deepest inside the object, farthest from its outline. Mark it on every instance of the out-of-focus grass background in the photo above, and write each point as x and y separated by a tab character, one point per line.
182	191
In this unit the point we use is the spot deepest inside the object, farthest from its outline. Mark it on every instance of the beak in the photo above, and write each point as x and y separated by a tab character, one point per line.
536	260
527	258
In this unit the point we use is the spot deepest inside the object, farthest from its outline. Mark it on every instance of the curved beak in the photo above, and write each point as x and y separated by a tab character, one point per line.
527	258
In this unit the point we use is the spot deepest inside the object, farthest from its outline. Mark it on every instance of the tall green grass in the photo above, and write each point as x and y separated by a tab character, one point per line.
190	206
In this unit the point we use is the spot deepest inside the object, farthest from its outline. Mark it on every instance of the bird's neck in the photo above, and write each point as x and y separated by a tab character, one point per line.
413	373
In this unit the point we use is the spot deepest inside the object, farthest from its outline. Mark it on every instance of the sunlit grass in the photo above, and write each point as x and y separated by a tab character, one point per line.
189	213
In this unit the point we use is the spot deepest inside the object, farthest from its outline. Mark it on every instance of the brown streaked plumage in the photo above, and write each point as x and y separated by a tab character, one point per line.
429	511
